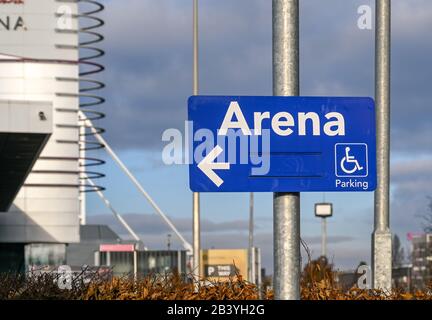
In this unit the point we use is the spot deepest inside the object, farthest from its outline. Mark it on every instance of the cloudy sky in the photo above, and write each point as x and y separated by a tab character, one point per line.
149	78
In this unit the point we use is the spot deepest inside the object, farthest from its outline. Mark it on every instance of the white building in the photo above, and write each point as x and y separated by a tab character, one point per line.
39	72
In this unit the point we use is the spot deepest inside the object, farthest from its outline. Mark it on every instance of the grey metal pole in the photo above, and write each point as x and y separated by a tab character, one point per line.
196	196
251	237
381	238
259	279
286	206
253	266
179	262
324	237
97	258
135	265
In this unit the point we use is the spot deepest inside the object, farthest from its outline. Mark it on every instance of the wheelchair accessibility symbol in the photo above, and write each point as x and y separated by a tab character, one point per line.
351	160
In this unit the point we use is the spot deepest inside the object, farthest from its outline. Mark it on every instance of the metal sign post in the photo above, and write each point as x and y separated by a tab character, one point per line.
196	197
381	238
283	144
251	239
286	206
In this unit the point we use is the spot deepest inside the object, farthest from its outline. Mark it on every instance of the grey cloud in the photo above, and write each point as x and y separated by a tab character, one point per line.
153	224
149	62
407	205
227	235
405	169
412	177
149	67
349	257
411	186
331	239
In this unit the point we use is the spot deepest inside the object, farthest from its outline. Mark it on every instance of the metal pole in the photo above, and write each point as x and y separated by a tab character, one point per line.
259	279
135	264
381	238
324	237
195	48
253	267
196	196
179	262
97	258
251	237
286	206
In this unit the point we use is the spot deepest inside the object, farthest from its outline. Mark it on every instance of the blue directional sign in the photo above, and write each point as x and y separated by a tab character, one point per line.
281	144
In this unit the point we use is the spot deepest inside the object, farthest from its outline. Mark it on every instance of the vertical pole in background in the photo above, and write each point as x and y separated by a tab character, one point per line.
196	197
179	263
324	237
252	278
258	267
135	264
381	238
286	206
97	259
251	238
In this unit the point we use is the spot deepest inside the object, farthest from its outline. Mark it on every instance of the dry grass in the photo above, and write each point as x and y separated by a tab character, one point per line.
170	287
317	284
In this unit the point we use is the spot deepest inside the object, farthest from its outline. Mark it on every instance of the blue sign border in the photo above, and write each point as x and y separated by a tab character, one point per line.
310	158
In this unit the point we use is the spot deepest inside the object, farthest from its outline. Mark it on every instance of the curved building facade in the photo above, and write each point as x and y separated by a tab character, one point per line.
38	63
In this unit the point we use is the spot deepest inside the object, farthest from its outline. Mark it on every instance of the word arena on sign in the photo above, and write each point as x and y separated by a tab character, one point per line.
11	22
282	144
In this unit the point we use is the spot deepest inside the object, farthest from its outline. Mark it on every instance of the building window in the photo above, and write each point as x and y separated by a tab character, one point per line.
44	254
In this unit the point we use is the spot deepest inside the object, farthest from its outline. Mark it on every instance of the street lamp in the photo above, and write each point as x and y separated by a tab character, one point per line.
323	210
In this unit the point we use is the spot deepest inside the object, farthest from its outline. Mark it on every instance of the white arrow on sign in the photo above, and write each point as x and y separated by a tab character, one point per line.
207	165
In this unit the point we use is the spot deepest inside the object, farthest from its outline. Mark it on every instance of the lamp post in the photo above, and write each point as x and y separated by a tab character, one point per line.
323	210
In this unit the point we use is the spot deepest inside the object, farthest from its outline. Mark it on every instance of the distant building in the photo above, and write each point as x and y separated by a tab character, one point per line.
401	277
92	236
39	175
224	264
144	263
101	248
346	279
23	257
421	260
42	158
